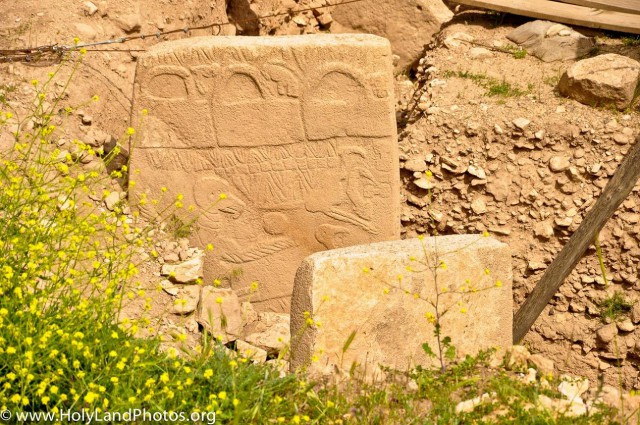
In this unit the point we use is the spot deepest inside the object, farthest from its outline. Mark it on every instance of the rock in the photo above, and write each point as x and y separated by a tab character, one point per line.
408	24
325	19
187	299
621	139
89	8
573	388
416	164
129	22
112	200
251	352
425	183
549	41
608	79
567	408
480	53
530	377
626	325
499	186
344	292
477	172
559	163
544	365
635	312
468	406
272	332
478	206
536	265
518	357
451	41
169	287
521	123
543	230
607	332
563	221
220	313
85	32
186	272
96	138
249	314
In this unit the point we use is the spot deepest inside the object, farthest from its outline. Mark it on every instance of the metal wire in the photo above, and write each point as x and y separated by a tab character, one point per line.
55	52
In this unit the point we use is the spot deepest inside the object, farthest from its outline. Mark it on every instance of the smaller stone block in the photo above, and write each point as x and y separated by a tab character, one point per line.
387	292
251	352
220	313
608	79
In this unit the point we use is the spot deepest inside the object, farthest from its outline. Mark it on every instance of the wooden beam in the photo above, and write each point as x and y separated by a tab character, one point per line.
562	12
615	192
628	6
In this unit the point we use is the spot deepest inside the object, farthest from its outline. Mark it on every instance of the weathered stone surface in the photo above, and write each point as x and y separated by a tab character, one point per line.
370	291
608	79
518	357
408	24
550	41
543	364
220	313
299	134
270	332
186	272
251	352
186	300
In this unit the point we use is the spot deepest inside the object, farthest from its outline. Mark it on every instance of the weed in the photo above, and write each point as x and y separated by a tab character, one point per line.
631	41
504	89
552	81
494	87
614	307
180	227
515	51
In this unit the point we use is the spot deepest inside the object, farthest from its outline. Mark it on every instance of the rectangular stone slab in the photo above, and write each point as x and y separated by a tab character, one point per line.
384	292
299	132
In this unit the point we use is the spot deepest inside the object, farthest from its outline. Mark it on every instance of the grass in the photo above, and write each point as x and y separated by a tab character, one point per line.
68	268
631	41
614	306
515	51
494	87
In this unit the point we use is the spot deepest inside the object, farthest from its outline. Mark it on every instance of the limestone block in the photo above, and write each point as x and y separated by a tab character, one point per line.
386	292
185	272
220	313
270	332
298	132
408	24
251	352
550	41
608	79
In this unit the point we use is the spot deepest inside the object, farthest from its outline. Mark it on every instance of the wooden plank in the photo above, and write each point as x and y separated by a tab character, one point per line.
563	12
628	6
614	193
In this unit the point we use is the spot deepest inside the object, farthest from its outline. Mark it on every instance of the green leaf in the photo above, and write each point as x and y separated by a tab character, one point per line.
347	344
428	351
450	352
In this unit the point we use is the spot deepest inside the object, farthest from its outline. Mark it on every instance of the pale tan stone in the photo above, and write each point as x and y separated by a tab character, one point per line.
358	289
408	24
299	132
270	332
251	352
220	313
186	272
